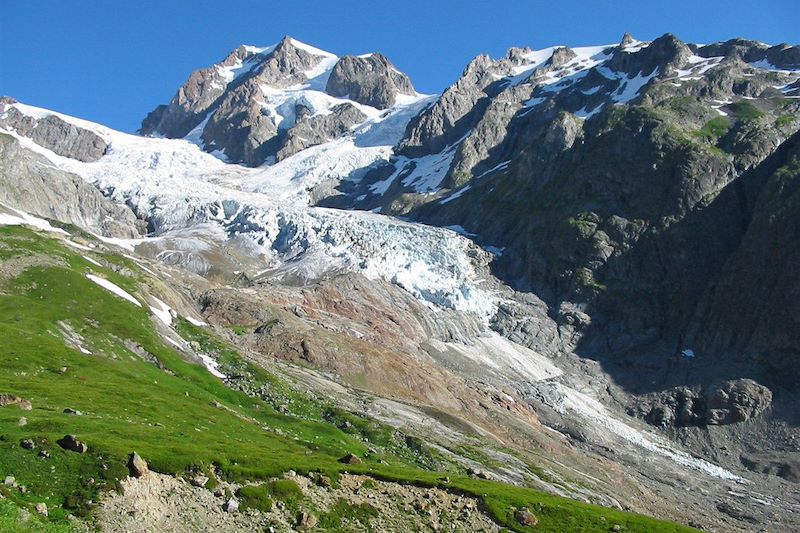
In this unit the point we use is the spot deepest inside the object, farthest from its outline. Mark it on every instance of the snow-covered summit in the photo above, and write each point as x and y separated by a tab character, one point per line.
263	104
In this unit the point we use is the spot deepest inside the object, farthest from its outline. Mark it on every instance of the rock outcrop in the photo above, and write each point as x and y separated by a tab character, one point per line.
726	403
312	130
137	466
71	443
53	133
33	185
370	80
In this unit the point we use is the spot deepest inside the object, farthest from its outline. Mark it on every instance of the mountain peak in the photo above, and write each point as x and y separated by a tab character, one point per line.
288	41
368	79
627	40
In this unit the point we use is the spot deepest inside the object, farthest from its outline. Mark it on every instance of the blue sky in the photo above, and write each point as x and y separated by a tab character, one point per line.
112	62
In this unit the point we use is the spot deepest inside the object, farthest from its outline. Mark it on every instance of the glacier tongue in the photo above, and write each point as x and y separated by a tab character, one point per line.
177	186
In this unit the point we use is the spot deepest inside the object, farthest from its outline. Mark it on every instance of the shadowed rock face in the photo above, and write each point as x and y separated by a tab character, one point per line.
666	52
729	402
372	80
661	233
53	133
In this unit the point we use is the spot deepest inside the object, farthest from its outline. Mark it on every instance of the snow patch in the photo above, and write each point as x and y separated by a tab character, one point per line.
116	289
195	322
24	219
161	311
92	261
76	245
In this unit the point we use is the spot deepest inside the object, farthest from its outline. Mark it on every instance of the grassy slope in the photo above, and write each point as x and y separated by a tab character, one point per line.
170	417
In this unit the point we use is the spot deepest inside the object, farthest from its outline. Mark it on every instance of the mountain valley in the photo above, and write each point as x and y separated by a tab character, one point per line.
559	296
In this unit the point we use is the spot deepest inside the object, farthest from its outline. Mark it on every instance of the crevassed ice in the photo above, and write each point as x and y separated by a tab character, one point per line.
179	186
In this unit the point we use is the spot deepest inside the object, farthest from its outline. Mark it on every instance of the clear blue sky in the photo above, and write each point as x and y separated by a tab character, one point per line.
112	62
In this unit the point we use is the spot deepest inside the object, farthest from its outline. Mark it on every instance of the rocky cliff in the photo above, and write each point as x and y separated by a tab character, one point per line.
265	104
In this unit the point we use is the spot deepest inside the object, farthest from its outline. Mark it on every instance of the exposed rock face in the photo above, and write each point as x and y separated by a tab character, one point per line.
782	56
629	216
32	184
455	111
773	464
53	133
241	108
371	80
752	311
195	98
498	109
665	53
240	126
313	130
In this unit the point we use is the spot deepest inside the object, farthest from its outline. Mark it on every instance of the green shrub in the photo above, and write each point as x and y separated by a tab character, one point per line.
344	510
286	491
254	497
745	110
714	128
783	120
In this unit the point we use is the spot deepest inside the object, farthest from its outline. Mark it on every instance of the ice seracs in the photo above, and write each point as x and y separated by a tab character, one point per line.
178	187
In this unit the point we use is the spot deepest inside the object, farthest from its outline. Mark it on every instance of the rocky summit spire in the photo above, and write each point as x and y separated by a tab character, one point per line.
627	40
370	79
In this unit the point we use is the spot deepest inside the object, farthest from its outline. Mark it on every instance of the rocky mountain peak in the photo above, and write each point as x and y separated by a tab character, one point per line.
627	40
289	63
518	56
561	56
663	53
369	79
782	56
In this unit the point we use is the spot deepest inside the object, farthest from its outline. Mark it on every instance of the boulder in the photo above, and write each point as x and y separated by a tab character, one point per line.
199	480
231	506
137	466
306	520
525	517
350	459
27	444
71	443
10	399
41	508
